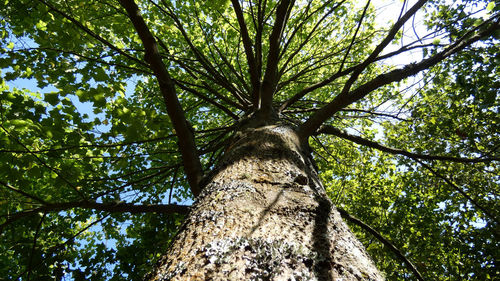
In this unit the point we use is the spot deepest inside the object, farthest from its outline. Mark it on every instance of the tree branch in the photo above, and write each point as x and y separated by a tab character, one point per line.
120	207
25	194
89	59
261	9
243	95
302	20
119	177
91	33
232	69
383	240
461	191
88	146
344	99
35	238
117	207
247	45
374	113
390	36
130	183
372	57
339	74
187	146
43	162
311	88
190	69
205	63
354	36
417	157
309	35
209	100
214	92
54	248
362	141
271	76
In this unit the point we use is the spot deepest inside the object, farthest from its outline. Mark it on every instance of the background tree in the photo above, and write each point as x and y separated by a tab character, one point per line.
99	166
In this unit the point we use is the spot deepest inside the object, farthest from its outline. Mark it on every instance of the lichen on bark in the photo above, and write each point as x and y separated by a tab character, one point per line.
263	215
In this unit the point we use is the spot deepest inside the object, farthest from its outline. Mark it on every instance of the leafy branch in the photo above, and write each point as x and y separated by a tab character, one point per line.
91	33
383	240
417	157
41	161
113	207
346	98
461	191
214	75
187	146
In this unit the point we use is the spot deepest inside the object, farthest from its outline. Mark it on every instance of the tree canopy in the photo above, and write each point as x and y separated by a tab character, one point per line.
135	101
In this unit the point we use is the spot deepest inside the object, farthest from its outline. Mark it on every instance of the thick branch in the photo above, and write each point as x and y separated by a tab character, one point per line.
271	76
247	45
344	99
362	141
339	74
383	240
187	146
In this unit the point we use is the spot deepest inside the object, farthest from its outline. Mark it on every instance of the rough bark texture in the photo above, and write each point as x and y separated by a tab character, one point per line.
263	215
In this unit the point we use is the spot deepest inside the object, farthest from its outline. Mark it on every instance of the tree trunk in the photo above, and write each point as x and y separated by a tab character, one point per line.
263	215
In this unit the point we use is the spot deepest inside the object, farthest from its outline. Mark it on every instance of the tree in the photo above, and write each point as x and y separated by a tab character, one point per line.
275	117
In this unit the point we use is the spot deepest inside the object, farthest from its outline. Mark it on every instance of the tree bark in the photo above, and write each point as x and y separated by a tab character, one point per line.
264	215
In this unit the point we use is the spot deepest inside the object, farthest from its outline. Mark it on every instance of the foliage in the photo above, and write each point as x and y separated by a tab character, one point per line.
93	175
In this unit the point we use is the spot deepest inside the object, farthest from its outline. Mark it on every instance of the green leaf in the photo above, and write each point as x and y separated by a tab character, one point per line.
52	98
41	25
490	6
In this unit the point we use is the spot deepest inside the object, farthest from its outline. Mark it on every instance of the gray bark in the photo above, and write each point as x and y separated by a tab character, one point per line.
263	215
